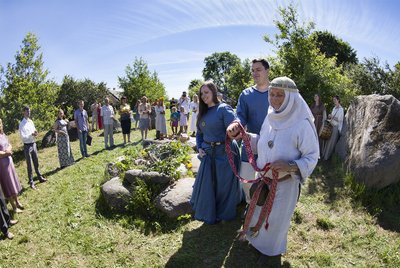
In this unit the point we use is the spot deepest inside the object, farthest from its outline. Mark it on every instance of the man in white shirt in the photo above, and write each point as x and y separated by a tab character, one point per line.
184	101
107	113
28	133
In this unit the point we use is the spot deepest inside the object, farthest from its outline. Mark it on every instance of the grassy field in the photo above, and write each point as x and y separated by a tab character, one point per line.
64	224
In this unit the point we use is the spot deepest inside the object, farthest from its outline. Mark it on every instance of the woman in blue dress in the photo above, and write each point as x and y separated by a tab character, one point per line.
216	191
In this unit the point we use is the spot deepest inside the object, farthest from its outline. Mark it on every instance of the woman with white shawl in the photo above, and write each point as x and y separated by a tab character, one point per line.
194	107
289	142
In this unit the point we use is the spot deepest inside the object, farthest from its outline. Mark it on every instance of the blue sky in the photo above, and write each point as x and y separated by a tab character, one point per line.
97	39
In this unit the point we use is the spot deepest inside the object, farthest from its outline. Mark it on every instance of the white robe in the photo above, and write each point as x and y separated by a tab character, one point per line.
194	107
298	143
161	124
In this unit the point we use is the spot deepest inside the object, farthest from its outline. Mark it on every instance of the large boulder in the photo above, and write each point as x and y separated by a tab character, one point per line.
174	200
341	146
49	139
72	131
115	194
373	140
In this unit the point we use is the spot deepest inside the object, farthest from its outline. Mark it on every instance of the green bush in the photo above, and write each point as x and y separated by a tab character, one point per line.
165	159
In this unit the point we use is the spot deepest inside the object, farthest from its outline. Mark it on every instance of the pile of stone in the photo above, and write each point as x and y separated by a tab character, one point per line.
173	200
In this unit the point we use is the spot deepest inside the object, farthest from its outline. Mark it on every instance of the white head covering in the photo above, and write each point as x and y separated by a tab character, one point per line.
293	108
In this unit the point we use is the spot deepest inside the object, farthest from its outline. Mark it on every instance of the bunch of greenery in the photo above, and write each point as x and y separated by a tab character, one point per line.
165	159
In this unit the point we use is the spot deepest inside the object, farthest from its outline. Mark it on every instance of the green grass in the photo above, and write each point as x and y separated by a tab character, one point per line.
65	224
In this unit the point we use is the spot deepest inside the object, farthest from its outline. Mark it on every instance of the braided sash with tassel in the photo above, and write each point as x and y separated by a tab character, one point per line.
272	183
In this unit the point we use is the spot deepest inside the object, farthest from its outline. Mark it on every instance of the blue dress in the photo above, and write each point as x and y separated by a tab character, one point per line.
216	191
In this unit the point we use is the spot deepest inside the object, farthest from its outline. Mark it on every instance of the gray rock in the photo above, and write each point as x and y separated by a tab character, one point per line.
132	175
174	200
147	143
373	140
111	170
155	177
182	170
115	194
49	139
195	163
192	143
140	162
72	131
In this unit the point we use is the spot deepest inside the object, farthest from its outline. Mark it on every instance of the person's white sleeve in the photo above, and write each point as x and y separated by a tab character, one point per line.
309	148
254	141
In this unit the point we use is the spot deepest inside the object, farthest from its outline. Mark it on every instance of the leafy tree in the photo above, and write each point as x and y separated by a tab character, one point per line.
394	83
74	90
332	46
369	77
26	83
238	79
218	67
139	82
298	57
194	87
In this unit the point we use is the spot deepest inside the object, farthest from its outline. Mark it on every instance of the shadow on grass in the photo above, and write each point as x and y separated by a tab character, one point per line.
330	177
384	204
215	246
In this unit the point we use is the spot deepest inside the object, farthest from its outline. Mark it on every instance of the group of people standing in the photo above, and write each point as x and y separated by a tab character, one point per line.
10	186
180	114
279	151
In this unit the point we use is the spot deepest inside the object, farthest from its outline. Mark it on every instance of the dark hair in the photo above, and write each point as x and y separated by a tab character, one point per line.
25	108
203	108
337	97
124	98
264	62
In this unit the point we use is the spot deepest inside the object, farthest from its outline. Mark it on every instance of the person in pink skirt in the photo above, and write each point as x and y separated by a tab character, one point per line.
9	181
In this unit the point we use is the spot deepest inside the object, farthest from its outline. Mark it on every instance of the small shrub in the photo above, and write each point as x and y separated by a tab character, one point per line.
297	217
325	224
323	259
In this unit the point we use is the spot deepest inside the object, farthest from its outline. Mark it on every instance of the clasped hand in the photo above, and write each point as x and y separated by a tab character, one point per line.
233	131
201	153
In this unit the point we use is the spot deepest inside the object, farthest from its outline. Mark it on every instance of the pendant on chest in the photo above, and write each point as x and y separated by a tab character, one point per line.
270	144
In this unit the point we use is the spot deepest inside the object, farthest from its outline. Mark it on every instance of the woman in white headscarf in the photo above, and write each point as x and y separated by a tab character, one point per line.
289	142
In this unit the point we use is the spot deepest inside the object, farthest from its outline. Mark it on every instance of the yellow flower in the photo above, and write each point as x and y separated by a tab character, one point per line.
189	165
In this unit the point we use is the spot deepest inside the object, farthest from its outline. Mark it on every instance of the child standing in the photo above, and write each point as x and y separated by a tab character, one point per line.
183	122
174	118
